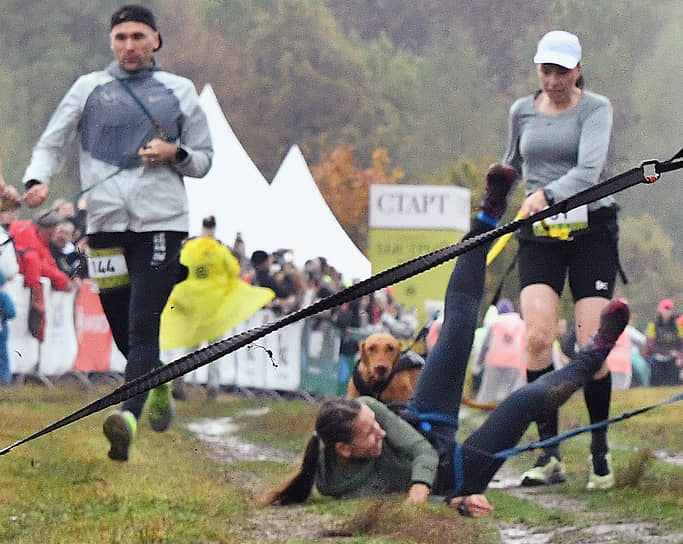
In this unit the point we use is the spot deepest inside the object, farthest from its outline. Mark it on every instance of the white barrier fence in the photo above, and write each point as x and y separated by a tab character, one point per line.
78	339
252	367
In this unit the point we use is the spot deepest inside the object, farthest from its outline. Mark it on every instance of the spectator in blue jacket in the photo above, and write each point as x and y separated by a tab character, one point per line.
7	312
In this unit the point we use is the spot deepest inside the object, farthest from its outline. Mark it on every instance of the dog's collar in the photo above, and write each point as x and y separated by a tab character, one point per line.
408	360
364	389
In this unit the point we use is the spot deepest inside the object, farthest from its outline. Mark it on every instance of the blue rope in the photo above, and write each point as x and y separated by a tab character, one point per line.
511	452
458	469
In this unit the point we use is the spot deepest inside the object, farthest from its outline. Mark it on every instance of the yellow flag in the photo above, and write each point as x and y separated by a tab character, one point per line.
500	244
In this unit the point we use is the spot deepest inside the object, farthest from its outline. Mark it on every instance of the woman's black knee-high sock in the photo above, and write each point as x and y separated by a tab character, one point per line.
548	423
598	394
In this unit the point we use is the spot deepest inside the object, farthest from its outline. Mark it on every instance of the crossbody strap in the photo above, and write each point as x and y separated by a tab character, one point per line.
156	124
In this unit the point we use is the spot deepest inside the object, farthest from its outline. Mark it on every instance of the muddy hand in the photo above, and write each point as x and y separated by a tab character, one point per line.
475	506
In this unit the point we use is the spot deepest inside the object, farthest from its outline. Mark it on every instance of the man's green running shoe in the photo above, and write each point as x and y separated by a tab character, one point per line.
119	428
161	407
547	470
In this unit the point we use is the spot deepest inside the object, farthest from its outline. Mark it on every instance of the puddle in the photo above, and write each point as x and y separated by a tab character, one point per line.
671	458
219	435
605	533
612	533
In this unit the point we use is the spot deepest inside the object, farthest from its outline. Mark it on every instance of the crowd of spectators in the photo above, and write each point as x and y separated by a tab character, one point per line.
54	245
297	287
653	357
665	344
62	233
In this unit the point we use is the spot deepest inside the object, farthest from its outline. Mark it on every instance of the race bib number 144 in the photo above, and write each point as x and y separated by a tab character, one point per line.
107	267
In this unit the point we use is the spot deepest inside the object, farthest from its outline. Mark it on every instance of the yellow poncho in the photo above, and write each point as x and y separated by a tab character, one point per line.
209	302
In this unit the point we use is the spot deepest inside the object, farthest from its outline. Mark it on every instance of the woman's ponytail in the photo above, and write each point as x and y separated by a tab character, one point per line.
298	488
335	423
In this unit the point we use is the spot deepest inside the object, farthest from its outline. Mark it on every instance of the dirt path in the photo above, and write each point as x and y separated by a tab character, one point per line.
598	531
298	524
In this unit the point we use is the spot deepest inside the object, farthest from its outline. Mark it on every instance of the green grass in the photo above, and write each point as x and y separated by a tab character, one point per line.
61	488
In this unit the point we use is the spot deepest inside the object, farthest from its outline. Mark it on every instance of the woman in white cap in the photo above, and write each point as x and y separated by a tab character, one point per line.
557	143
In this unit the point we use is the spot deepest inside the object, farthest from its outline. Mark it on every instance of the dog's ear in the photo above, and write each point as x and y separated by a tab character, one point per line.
361	350
351	390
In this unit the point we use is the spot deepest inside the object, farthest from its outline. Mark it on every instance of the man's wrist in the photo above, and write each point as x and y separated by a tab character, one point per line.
31	183
180	155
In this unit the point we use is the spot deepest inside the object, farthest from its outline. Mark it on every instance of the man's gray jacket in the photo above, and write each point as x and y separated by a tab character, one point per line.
112	126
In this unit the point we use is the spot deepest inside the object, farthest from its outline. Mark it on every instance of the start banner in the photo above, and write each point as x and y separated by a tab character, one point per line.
407	221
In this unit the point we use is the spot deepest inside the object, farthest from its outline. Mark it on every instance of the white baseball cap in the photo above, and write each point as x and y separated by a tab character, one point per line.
559	47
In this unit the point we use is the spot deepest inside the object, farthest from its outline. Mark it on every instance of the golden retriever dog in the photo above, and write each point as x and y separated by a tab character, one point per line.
383	372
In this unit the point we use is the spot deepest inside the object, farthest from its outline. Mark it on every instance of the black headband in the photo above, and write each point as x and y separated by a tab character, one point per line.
137	14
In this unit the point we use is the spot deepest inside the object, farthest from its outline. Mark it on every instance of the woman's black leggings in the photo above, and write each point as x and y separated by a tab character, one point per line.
509	421
438	391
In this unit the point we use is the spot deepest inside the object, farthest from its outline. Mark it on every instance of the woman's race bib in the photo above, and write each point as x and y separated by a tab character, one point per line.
563	225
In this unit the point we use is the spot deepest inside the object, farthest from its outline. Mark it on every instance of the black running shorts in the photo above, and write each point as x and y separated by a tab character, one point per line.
590	261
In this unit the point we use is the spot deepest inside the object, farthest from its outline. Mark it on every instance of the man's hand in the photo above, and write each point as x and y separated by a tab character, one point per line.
473	505
9	196
418	493
36	195
158	152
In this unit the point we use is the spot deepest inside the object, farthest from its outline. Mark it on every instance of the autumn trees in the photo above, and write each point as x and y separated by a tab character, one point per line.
346	186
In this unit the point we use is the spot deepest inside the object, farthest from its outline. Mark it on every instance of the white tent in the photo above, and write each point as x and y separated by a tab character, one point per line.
311	223
234	190
290	213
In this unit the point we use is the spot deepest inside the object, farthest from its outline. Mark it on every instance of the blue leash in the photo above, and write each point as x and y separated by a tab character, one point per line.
506	454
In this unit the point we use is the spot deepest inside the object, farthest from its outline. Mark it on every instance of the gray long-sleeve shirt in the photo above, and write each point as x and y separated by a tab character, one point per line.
565	152
112	126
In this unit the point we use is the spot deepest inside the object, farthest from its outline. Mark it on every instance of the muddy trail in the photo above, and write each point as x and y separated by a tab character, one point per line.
272	524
